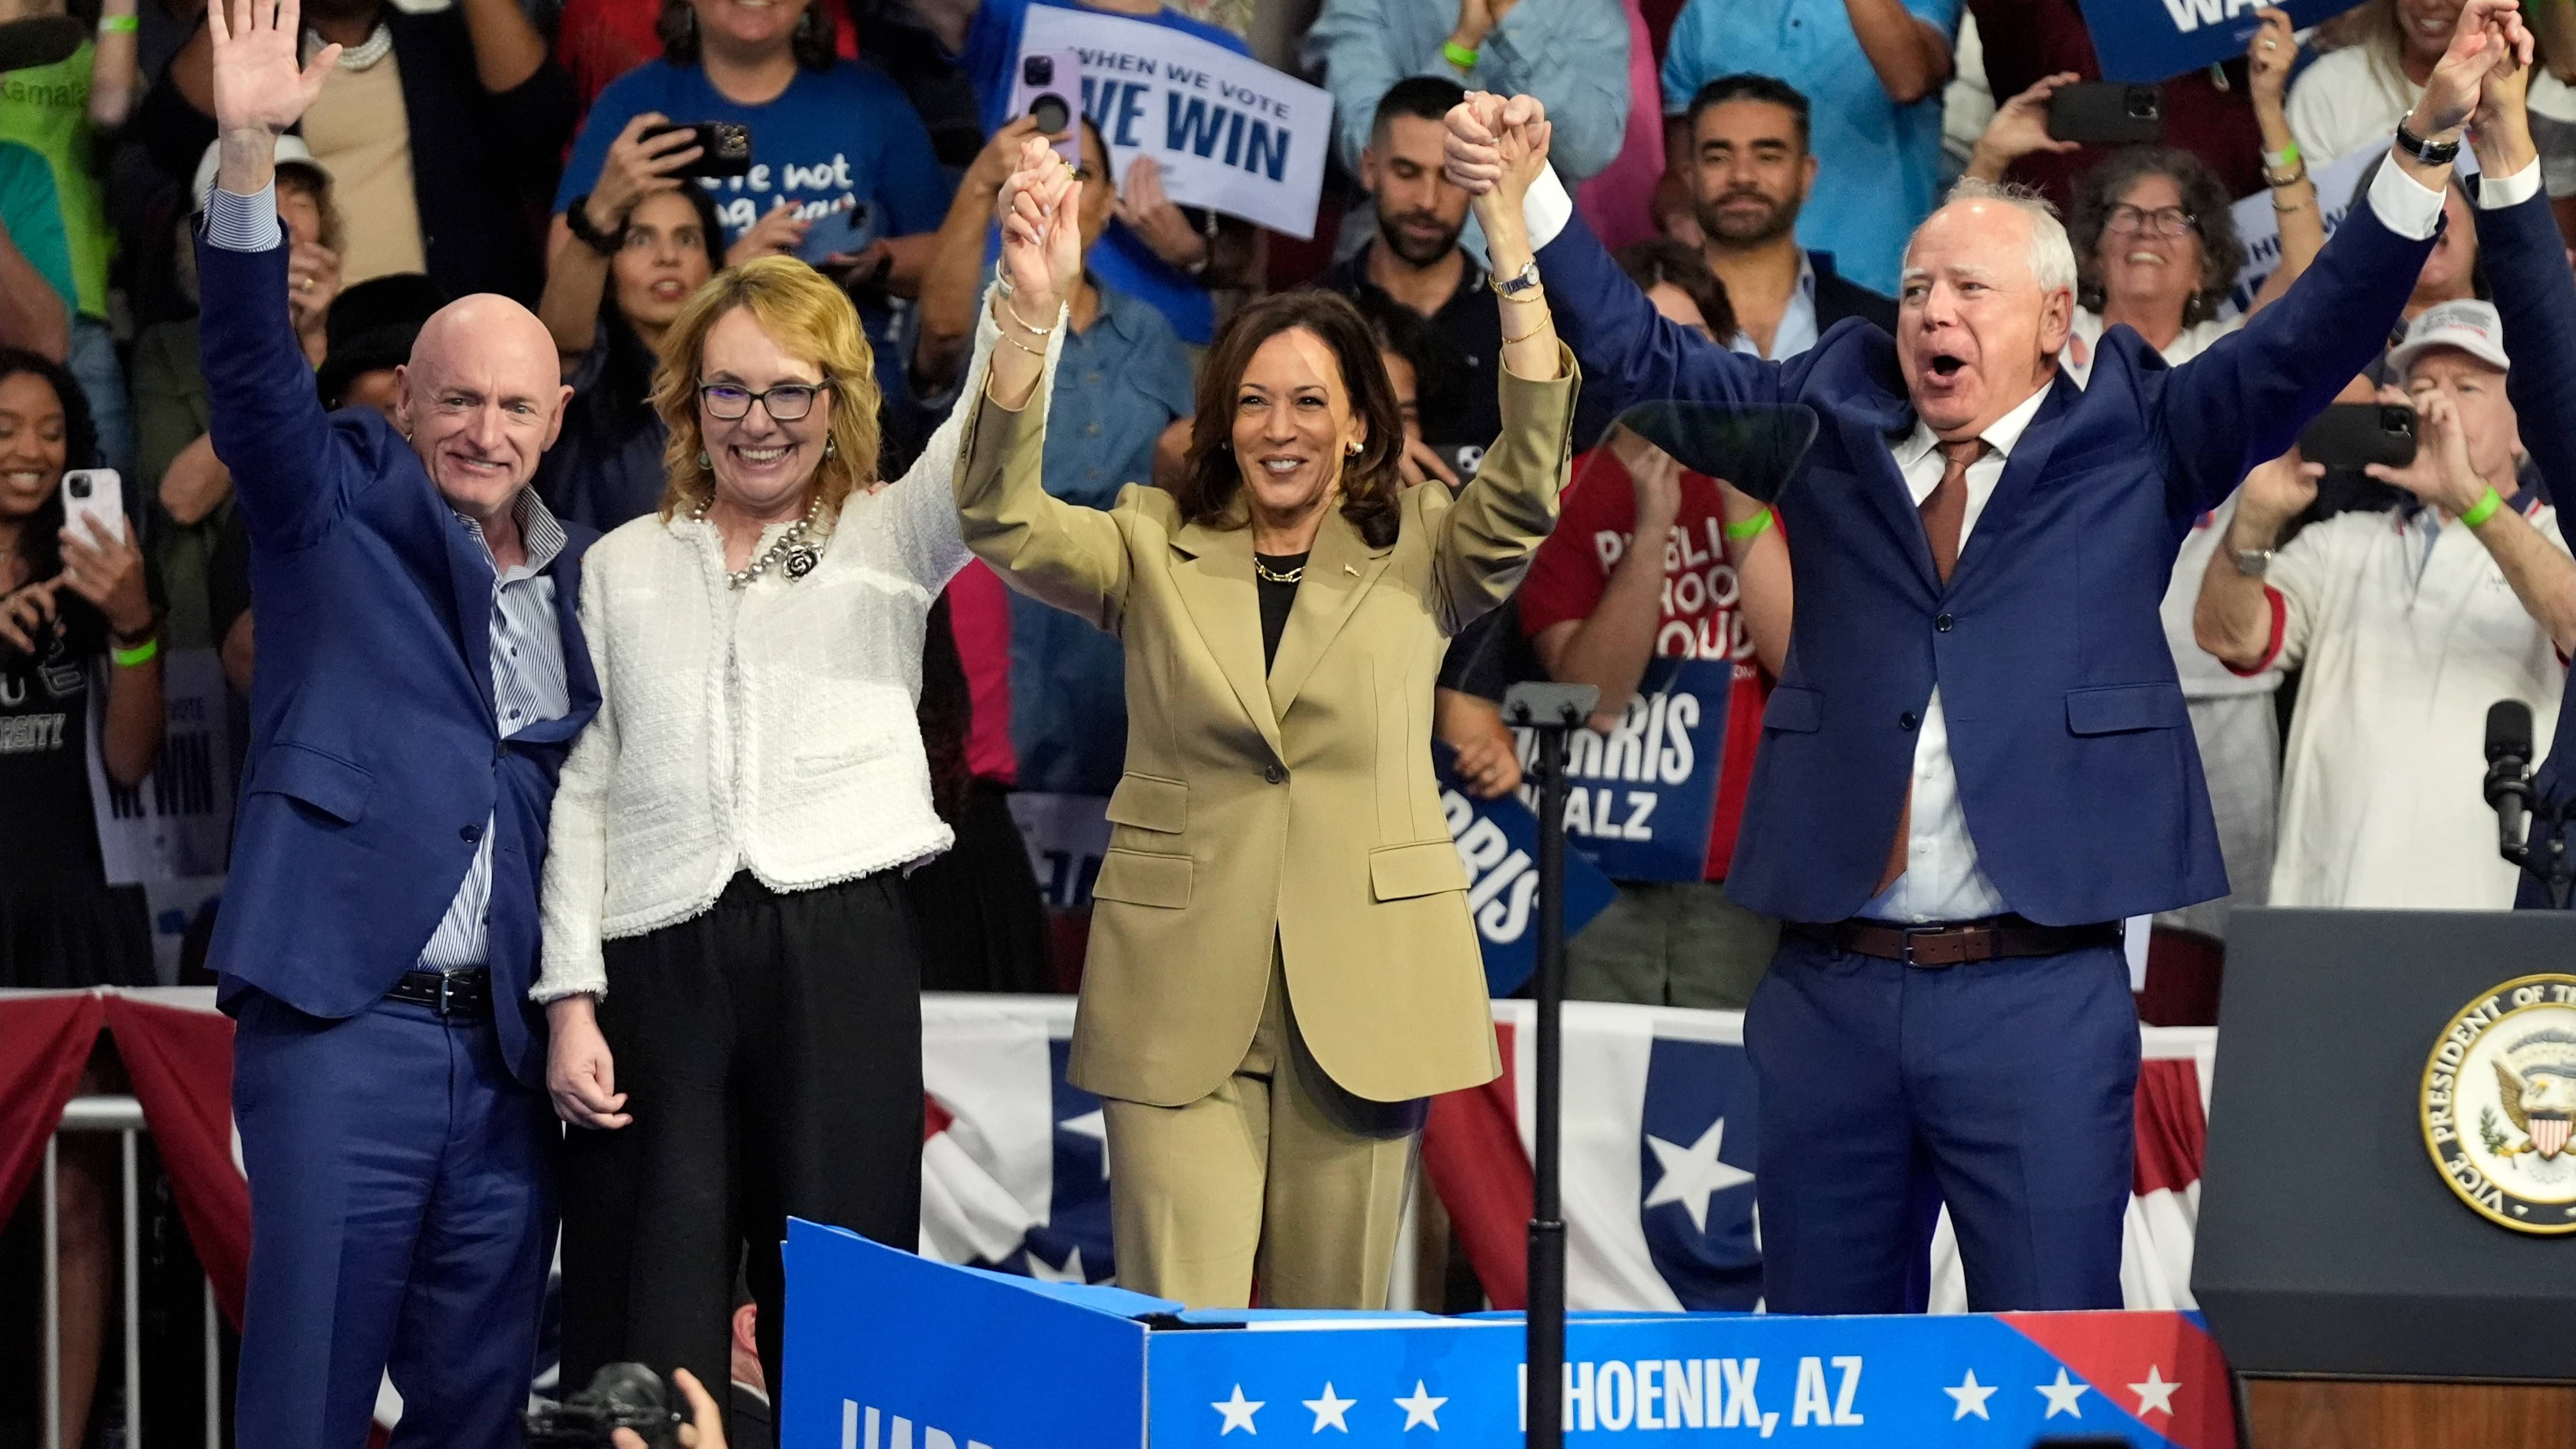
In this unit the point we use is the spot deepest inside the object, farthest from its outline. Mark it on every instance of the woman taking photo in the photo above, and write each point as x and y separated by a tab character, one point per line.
1281	964
608	309
729	964
78	635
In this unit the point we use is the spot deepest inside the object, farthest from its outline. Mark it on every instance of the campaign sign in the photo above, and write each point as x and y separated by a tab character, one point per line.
2260	228
1643	794
2148	40
889	1351
1497	841
1230	133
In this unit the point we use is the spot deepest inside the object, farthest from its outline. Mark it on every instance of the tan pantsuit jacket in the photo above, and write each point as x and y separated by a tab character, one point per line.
1299	802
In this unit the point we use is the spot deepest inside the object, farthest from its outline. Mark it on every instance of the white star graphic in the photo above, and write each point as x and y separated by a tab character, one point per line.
1329	1410
1238	1412
1422	1408
2155	1396
1071	1272
1094	1125
1689	1175
2062	1395
1971	1397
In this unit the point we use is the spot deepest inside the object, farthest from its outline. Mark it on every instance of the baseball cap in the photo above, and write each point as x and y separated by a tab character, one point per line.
2469	326
291	151
371	327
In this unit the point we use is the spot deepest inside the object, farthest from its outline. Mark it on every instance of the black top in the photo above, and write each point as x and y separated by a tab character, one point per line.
1468	330
1276	599
44	752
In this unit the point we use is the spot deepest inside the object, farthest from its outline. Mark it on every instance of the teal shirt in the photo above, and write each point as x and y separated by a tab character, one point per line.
32	210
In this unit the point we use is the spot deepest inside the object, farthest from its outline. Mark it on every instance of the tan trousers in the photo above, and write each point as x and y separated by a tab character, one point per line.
1277	1175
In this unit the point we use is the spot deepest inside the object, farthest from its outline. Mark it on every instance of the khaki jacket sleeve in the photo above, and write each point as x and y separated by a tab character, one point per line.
1483	542
1058	553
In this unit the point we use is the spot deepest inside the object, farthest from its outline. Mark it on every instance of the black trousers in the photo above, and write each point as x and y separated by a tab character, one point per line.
770	1051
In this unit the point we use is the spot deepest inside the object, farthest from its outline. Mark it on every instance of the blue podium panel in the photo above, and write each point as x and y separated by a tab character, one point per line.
889	1351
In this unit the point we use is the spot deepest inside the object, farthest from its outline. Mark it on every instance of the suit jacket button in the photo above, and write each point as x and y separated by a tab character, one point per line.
1275	774
1908	720
1943	623
470	834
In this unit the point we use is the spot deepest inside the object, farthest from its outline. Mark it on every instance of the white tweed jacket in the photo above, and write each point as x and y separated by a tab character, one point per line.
769	729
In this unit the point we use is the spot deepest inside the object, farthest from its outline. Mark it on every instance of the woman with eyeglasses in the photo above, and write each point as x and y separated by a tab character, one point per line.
730	967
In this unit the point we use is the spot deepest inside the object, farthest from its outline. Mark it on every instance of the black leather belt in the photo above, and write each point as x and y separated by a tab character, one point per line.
1959	943
466	994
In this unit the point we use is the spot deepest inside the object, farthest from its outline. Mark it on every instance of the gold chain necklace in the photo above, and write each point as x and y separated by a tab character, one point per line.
1277	576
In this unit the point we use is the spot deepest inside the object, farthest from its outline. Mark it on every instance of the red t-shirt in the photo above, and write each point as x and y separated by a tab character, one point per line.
979	615
1700	620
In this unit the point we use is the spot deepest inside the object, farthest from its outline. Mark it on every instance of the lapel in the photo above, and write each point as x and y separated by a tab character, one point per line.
1867	434
1339	573
2021	471
469	582
1214	579
581	681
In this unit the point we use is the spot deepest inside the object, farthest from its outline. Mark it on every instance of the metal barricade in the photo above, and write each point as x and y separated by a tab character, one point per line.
123	1116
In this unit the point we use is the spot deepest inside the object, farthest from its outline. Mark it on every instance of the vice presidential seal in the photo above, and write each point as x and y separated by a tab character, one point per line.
2499	1104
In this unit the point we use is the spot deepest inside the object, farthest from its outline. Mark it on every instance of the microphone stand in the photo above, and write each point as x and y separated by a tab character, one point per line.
1552	712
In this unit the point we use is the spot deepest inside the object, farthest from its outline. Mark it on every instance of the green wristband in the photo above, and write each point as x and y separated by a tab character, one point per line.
1749	527
2283	159
1458	55
2484	509
140	654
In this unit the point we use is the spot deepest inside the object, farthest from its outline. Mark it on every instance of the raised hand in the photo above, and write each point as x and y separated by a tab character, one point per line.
259	85
1469	155
2272	495
1150	213
636	168
1041	241
2269	54
2441	473
2490	35
1521	145
2020	128
778	233
107	570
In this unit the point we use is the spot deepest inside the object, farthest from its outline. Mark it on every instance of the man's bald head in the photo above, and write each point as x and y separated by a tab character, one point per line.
482	399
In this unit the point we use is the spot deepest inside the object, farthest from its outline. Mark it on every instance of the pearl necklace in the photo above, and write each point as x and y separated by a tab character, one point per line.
799	562
355	57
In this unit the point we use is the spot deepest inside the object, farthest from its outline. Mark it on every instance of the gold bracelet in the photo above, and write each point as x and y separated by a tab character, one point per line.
1526	336
1014	311
1036	352
2277	180
1535	294
2279	210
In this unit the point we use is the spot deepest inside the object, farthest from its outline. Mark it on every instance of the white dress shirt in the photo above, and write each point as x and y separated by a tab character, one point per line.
1941	880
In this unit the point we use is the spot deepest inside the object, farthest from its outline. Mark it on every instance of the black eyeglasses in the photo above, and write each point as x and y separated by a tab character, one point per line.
2163	221
787	402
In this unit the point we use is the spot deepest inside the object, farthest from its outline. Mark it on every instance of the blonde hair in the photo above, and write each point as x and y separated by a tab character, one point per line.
807	316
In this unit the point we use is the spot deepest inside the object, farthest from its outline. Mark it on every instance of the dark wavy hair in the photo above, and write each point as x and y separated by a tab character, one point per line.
41	541
814	43
1212	479
2213	220
622	397
1662	261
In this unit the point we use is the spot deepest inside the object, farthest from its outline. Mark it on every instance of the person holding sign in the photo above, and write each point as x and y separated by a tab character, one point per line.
1282	967
1977	760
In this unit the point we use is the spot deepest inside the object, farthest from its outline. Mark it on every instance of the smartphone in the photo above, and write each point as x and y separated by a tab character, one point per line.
2348	437
848	227
1049	88
95	498
2107	113
724	148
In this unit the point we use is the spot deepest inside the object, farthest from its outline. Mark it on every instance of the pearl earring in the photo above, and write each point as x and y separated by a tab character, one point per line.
1353	448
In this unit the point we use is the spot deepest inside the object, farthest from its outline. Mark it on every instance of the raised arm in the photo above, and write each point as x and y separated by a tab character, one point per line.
268	426
2268	58
1628	350
1571	55
2526	266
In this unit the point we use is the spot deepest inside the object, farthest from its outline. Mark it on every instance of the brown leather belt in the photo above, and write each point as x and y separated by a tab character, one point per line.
1959	943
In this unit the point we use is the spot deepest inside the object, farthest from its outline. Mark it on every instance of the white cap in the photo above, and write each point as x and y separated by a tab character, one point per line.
2471	327
291	151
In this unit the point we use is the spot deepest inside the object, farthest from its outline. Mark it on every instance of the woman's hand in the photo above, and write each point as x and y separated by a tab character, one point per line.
2020	128
705	1429
2269	56
108	572
1041	248
312	282
27	618
1418	465
581	1076
999	158
778	234
636	168
1154	218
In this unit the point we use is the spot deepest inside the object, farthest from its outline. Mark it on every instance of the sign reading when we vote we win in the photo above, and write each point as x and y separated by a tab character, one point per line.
1230	133
2149	40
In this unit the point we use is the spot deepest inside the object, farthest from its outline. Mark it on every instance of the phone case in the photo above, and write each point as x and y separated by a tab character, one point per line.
2107	113
2347	437
1064	82
101	501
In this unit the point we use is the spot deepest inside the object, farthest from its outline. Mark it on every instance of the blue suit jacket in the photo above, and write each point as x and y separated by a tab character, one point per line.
374	755
2076	764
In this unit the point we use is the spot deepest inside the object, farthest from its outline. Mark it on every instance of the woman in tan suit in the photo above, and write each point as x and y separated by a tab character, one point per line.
1281	964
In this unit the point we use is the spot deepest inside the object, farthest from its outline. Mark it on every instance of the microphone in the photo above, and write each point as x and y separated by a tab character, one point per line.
2508	785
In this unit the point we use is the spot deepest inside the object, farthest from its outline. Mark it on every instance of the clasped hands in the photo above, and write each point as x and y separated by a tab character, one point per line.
1495	150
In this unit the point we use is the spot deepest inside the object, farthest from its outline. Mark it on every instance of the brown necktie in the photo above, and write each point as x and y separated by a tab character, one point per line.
1945	509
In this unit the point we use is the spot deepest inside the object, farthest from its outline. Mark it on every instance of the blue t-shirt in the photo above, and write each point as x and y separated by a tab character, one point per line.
1877	163
1121	260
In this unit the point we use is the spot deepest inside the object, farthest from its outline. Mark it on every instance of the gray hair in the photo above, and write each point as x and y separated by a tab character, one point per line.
2051	255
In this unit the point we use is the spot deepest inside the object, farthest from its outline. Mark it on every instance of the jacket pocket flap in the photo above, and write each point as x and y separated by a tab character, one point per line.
2115	709
1427	868
326	782
1150	802
1794	710
1140	878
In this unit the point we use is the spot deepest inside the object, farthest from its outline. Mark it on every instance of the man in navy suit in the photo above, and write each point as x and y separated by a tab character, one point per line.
421	675
1977	760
